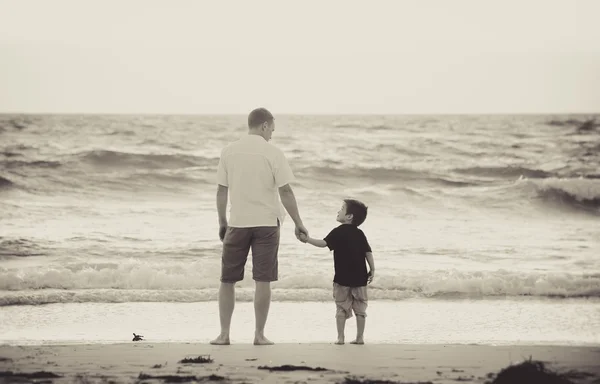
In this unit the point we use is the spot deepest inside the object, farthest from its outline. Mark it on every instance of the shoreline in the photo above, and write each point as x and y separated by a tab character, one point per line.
79	343
413	322
321	362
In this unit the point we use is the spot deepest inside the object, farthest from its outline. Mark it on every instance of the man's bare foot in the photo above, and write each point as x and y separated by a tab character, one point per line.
261	340
221	340
339	341
357	341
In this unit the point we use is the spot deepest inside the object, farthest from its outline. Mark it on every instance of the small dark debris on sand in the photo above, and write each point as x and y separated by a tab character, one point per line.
462	378
288	368
181	379
527	372
354	380
197	360
84	378
156	366
457	370
33	375
5	359
252	359
137	337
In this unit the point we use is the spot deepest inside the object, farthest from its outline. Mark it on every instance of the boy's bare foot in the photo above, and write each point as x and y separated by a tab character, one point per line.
357	341
339	341
221	340
261	340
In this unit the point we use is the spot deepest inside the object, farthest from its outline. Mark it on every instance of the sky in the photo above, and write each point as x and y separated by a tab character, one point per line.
308	56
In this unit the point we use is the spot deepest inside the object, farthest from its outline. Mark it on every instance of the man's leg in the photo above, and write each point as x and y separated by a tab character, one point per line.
226	305
262	302
236	245
265	246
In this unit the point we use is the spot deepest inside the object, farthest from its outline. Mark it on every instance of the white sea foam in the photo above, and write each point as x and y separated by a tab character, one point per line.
140	280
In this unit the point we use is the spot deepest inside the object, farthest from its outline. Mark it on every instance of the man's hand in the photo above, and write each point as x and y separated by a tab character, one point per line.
299	230
222	230
371	276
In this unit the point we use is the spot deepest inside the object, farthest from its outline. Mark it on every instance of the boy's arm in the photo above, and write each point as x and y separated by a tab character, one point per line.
316	242
371	263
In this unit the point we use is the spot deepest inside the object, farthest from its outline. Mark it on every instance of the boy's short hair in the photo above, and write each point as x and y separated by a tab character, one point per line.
357	209
259	116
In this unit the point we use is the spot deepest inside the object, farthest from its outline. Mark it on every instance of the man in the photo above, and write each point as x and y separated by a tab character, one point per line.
254	172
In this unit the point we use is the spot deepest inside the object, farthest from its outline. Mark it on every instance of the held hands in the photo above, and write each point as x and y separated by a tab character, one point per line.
300	232
303	238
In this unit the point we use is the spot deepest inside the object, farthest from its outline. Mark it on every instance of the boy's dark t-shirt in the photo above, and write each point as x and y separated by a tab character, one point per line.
349	245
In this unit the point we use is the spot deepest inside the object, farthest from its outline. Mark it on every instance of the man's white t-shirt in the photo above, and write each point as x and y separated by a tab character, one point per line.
253	170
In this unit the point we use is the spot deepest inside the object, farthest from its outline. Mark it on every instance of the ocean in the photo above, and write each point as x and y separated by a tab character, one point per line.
484	229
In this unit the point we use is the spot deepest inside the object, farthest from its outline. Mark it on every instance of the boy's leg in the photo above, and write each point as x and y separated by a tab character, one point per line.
360	329
236	245
343	303
340	322
359	305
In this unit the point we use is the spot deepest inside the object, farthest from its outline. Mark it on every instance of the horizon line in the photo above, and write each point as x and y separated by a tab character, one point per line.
303	113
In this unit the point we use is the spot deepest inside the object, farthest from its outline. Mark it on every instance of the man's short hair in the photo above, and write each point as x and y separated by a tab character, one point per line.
259	116
357	209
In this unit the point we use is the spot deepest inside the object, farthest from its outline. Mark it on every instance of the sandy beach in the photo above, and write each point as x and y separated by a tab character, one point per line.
245	363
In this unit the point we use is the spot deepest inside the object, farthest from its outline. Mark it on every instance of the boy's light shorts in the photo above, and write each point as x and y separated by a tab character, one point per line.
348	299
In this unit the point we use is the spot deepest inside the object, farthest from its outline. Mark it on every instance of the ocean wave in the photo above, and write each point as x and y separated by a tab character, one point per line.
123	179
580	193
173	178
119	159
19	247
196	281
5	183
341	173
17	164
362	125
400	150
9	153
14	123
583	126
378	173
509	172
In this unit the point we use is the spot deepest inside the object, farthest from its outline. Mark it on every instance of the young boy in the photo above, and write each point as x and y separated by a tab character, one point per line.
350	249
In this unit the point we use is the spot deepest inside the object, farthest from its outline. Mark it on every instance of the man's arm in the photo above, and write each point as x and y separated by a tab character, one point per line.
222	193
288	199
